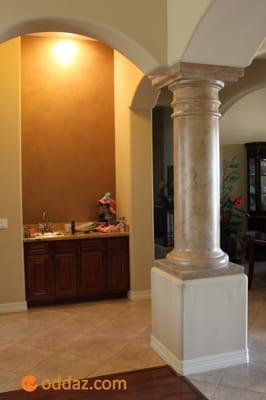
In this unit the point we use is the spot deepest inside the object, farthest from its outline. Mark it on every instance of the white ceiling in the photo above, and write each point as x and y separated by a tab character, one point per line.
245	121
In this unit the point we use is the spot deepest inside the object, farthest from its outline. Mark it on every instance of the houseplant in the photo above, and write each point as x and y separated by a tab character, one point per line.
232	214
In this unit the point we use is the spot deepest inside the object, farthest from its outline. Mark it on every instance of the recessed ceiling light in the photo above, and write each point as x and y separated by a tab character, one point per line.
65	51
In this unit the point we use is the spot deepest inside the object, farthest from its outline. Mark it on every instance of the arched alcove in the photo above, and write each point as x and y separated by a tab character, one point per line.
127	124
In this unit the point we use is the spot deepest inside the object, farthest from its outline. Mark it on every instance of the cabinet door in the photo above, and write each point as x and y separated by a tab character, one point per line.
38	277
117	270
262	184
66	275
252	184
93	273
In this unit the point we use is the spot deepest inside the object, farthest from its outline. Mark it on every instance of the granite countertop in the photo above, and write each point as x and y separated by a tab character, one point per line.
76	236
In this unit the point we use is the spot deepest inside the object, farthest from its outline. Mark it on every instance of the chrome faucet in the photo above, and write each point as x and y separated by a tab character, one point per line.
46	227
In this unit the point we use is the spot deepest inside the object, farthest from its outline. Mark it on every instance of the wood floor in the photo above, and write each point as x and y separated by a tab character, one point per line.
158	383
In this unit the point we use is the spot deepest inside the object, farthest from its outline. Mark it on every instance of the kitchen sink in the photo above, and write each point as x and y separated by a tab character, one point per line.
46	235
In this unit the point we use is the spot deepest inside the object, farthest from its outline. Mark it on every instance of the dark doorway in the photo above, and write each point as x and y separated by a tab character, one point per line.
163	180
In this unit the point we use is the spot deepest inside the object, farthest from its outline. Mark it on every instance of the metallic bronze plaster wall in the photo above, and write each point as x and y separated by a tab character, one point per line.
68	158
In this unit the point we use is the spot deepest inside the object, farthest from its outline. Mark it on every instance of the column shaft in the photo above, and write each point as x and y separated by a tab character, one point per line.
196	174
196	166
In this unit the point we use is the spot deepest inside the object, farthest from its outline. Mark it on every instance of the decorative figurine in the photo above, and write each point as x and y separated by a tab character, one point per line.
107	209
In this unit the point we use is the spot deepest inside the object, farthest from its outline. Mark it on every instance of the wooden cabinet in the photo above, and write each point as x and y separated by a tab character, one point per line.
38	277
117	265
72	270
66	275
38	272
65	255
93	268
256	183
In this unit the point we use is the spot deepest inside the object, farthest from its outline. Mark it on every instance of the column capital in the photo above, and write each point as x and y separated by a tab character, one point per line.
188	71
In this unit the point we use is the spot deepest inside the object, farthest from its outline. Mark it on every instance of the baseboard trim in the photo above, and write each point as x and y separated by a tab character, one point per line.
201	364
6	308
139	295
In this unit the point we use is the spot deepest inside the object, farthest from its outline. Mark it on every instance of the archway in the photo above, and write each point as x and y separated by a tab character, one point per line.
132	127
134	121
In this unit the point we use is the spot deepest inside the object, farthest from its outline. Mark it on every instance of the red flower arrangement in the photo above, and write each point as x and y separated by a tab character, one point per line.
238	201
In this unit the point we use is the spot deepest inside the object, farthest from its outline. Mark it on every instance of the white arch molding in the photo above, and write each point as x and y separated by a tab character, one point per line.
107	34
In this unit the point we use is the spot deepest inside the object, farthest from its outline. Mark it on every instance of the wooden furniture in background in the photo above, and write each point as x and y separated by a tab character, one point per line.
164	222
163	190
75	270
256	251
256	184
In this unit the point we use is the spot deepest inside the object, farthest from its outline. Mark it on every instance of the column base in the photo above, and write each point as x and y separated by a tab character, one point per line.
199	324
191	272
196	260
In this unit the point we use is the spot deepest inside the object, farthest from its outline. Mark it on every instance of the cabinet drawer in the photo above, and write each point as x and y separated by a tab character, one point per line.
66	246
117	243
92	244
37	248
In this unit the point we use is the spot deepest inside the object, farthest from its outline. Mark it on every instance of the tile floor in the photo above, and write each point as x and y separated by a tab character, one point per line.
245	382
100	338
80	340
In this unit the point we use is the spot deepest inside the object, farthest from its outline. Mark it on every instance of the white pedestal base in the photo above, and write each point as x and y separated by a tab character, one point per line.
200	324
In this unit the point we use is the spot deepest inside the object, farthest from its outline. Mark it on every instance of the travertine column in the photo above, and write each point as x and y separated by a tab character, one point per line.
192	295
196	115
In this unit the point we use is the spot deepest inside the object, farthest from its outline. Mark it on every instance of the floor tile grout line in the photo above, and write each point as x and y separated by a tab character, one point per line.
131	339
215	390
241	389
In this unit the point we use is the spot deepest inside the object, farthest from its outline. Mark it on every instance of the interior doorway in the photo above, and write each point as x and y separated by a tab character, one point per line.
163	189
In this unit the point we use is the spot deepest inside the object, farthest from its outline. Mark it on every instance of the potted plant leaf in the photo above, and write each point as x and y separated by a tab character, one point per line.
232	214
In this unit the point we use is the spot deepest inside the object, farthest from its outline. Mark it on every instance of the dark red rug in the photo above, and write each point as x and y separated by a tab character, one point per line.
159	383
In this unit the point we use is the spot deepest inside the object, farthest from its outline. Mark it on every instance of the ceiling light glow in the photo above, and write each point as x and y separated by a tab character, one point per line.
65	51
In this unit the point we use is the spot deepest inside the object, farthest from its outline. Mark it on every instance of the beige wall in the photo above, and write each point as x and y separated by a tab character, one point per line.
254	78
134	171
67	129
245	121
142	199
181	22
11	257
